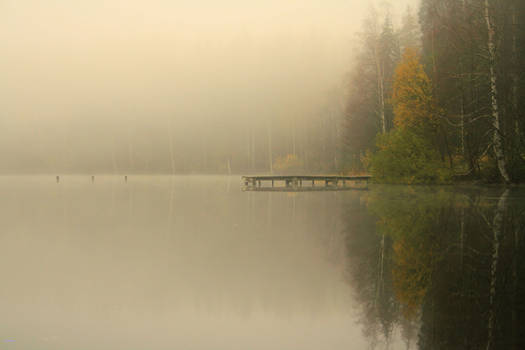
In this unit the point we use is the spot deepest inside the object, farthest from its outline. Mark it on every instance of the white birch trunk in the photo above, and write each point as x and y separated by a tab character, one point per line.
497	228
497	139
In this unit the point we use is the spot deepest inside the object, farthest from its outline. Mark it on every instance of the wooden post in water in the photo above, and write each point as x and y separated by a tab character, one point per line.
58	179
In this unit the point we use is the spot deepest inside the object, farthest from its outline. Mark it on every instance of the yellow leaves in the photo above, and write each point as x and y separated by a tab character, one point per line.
411	274
412	96
288	163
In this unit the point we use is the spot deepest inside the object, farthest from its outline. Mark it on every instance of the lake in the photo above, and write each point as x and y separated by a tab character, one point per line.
192	262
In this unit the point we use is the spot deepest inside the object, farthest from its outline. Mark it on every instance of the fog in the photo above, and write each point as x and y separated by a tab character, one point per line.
170	86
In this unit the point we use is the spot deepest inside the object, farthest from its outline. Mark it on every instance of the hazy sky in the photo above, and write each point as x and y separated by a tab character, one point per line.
110	63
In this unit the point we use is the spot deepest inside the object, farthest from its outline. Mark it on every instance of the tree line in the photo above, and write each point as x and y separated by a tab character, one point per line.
441	97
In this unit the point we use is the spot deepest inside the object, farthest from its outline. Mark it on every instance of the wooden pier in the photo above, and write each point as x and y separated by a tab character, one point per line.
299	183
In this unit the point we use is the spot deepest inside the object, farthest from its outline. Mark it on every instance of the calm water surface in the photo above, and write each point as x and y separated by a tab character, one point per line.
195	263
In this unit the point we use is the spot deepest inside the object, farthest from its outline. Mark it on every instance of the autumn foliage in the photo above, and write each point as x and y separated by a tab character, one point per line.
287	164
411	274
412	95
407	153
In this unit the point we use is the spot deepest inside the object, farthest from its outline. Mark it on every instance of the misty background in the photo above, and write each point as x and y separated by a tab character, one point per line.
163	86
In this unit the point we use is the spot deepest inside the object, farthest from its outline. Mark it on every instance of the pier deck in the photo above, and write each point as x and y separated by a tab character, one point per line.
311	182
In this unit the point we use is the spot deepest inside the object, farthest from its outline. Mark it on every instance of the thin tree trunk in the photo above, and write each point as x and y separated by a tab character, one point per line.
382	102
380	88
335	141
497	138
515	78
462	237
497	228
252	148
515	260
205	153
462	70
379	287
293	138
434	66
172	161
462	107
113	158
463	125
130	154
270	157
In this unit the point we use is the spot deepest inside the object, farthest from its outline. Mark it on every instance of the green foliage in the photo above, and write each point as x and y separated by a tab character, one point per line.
406	154
406	158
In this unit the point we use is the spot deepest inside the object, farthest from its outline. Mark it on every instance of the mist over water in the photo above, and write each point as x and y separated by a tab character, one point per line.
160	262
193	262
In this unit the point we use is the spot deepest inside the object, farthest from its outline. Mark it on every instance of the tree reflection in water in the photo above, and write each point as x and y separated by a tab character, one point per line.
440	266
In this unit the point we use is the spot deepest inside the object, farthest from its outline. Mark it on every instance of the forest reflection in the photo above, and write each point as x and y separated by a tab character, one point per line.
439	267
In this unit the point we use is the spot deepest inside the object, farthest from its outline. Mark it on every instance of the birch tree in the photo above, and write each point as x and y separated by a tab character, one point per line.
496	123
